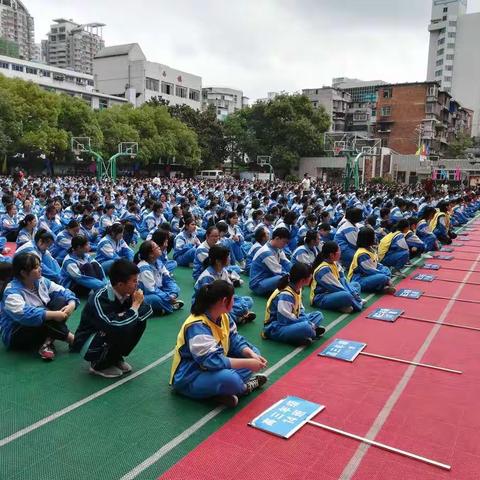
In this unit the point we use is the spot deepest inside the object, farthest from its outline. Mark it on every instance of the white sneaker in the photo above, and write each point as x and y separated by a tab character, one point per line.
109	372
124	366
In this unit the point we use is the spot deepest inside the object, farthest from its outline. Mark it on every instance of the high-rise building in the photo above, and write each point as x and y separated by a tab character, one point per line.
73	46
453	57
17	29
225	100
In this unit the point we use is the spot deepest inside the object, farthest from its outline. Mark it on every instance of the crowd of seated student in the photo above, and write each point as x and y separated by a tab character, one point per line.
71	245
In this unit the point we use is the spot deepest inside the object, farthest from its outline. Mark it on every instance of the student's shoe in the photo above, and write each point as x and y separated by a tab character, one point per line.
230	401
47	352
109	372
306	342
389	290
250	317
236	283
255	382
347	309
124	366
427	255
319	332
178	305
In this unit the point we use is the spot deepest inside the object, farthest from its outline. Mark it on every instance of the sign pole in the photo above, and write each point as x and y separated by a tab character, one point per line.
454	299
381	445
455	325
400	360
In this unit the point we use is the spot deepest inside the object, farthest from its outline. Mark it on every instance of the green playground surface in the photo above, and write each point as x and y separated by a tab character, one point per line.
60	422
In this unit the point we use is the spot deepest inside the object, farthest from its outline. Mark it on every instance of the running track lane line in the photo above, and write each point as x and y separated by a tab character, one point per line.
147	463
355	461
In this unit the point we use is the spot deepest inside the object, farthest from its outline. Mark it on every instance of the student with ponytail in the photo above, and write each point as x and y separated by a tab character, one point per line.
211	359
309	250
216	269
285	317
393	249
424	232
159	288
112	247
366	269
80	272
63	241
186	242
27	228
330	289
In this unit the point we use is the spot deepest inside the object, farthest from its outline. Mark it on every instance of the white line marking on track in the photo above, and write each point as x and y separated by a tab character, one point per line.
354	463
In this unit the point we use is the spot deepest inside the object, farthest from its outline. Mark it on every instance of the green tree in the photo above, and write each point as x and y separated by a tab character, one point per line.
457	148
285	128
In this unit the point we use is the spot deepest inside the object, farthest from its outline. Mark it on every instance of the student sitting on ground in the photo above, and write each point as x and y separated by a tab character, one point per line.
80	272
112	322
201	253
270	264
308	252
216	269
186	243
365	268
285	317
34	310
440	223
42	242
112	247
211	359
27	229
415	245
346	236
261	237
423	230
160	290
330	289
393	249
63	242
164	239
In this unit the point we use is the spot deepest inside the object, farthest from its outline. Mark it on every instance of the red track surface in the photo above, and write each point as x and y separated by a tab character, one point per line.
436	415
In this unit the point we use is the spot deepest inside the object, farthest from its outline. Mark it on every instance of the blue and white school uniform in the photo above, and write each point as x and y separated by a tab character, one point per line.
53	226
425	234
368	272
241	304
286	320
331	290
91	235
50	267
109	250
25	236
346	238
72	273
251	253
305	254
104	222
237	254
269	265
62	244
201	367
393	250
21	307
158	286
8	224
184	248
150	223
413	241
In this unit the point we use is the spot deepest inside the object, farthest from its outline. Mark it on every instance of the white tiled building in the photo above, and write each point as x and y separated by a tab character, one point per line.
16	25
123	70
58	80
225	100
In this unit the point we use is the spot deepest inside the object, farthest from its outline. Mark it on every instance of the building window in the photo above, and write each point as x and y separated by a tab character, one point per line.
194	95
315	104
439	63
4	65
444	17
53	38
90	83
451	45
449	68
61	37
103	103
180	91
32	71
450	56
167	88
54	30
448	79
452	23
44	73
360	117
441	41
440	52
61	29
439	73
374	112
445	9
387	93
386	111
70	79
17	68
152	84
452	34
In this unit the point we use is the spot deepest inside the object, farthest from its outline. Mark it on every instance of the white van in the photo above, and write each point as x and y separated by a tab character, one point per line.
210	175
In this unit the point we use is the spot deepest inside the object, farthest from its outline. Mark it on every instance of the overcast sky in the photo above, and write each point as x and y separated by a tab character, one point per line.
264	45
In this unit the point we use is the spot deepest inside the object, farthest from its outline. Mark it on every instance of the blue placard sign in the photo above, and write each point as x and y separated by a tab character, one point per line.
446	249
408	293
286	416
386	314
431	266
346	350
423	277
443	257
